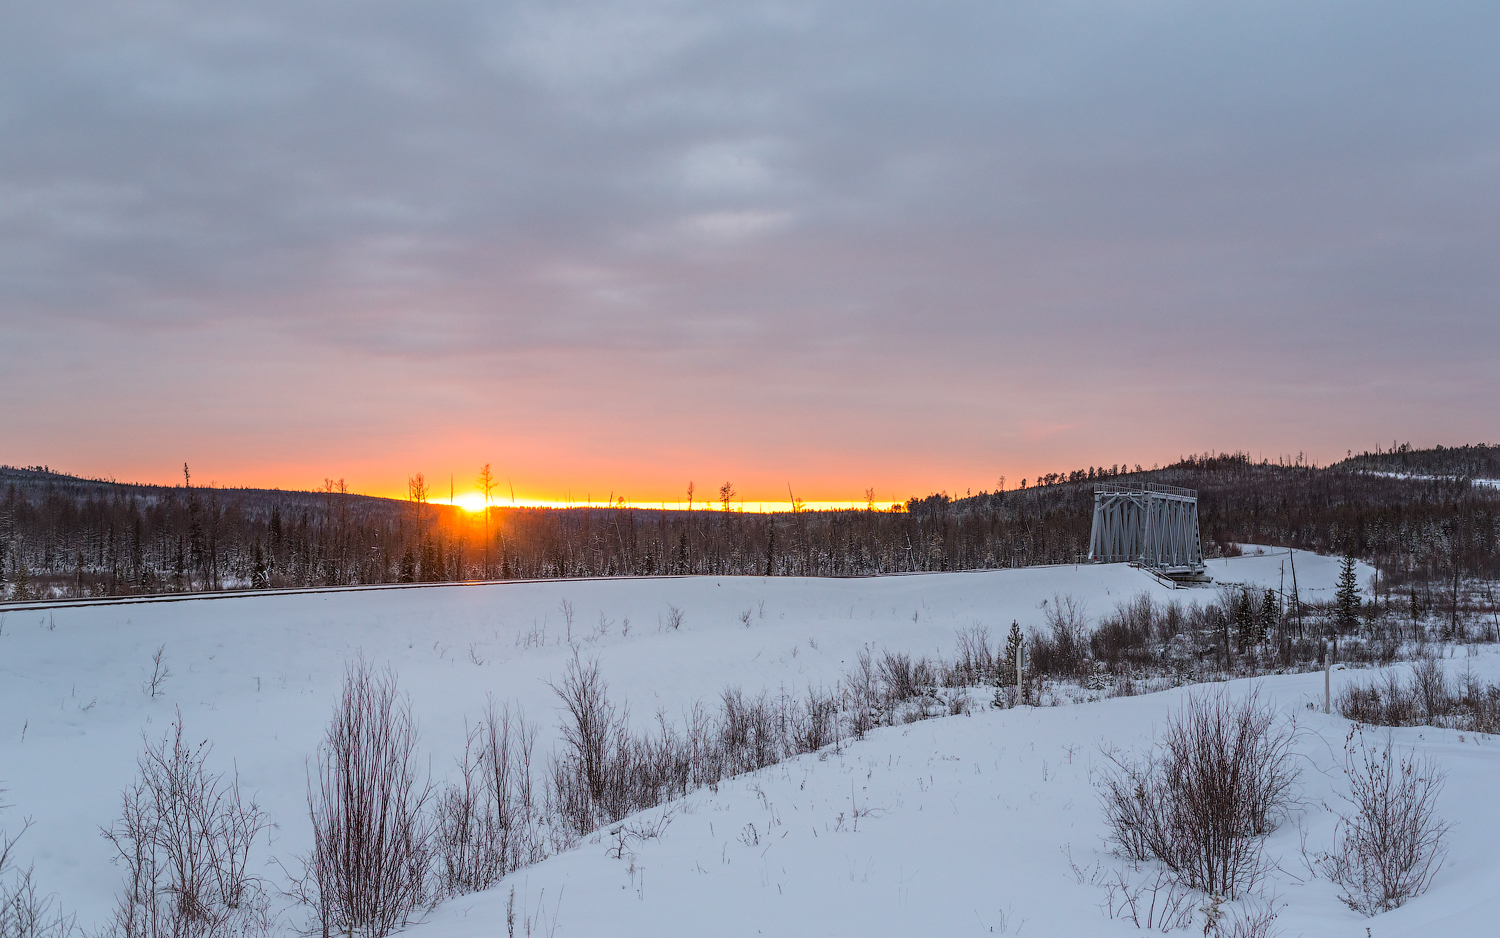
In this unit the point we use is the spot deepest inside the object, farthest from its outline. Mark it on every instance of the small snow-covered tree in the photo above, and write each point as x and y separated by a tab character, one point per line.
1005	672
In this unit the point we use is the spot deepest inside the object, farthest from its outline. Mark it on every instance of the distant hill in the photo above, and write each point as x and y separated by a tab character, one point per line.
35	483
1474	461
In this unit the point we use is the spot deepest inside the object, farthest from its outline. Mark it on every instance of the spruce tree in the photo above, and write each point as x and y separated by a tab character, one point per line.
1005	673
1244	621
1270	614
1347	599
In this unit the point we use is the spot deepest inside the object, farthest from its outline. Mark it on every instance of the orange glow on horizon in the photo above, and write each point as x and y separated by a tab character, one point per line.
473	502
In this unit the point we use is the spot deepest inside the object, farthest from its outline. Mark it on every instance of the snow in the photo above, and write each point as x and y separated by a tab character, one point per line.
951	826
1488	483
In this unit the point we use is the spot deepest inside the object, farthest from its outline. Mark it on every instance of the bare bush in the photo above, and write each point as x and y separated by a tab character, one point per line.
1391	845
975	663
753	733
26	912
1160	903
905	677
590	778
1255	919
816	724
489	821
1062	649
1426	698
467	856
184	836
1202	801
1131	636
371	838
863	695
159	673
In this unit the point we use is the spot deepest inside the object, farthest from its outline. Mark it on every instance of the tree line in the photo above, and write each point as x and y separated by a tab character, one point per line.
63	536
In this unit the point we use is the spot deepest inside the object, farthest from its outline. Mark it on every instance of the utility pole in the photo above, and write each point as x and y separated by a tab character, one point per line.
1296	598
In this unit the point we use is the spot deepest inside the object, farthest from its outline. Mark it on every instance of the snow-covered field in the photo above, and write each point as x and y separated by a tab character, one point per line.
963	825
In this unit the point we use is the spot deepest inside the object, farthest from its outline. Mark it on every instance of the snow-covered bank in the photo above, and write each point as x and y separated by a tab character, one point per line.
258	676
963	825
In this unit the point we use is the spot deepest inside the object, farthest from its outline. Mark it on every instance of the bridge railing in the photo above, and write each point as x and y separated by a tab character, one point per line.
1130	488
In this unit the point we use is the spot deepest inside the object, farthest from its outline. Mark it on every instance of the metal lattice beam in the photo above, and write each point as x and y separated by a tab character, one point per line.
1145	523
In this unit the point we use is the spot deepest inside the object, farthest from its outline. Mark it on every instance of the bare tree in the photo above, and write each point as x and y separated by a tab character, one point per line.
726	494
416	493
487	485
371	839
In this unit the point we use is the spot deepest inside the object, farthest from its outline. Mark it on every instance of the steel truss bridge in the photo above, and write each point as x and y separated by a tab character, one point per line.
1151	525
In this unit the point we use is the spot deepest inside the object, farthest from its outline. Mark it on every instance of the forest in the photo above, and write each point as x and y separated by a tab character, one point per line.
1424	518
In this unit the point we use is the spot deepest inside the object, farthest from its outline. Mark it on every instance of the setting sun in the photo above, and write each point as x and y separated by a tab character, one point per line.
471	501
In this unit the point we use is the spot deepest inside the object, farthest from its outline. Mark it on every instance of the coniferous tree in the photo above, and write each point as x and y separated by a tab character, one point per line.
1244	622
1346	601
1005	673
1270	614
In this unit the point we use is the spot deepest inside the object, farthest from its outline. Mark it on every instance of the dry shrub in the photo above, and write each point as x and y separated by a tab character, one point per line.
1256	918
904	677
1426	698
1391	845
590	779
1203	799
184	837
817	723
1129	635
605	771
24	911
1061	651
863	695
371	836
489	821
752	734
976	661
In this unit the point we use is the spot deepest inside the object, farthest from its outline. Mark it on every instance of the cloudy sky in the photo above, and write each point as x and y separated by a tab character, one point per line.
611	247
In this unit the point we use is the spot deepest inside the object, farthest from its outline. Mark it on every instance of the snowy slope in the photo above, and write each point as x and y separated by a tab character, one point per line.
974	823
978	837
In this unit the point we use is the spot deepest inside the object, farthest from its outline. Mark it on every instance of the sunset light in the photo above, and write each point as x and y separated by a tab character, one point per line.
527	424
473	502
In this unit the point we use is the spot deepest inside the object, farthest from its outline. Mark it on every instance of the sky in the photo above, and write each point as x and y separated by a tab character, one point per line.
613	247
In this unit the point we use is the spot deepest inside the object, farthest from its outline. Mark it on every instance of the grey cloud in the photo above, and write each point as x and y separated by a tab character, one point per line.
964	188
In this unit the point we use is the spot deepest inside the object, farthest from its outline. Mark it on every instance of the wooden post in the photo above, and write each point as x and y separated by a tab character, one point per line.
1020	692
